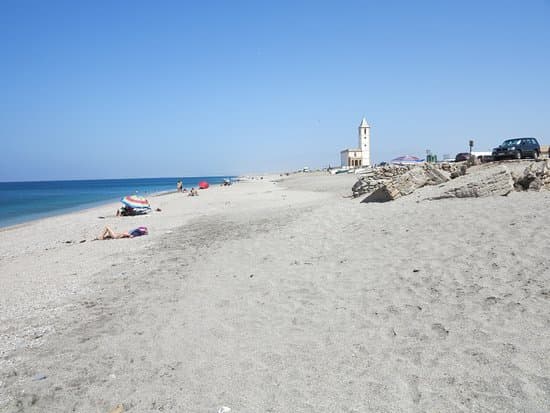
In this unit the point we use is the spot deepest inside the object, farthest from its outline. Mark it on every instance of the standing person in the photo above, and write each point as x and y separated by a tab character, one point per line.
179	186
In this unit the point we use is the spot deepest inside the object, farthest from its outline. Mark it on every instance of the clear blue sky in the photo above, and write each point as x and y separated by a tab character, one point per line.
148	89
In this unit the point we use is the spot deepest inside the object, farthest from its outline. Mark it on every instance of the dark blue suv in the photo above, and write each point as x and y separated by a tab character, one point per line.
517	148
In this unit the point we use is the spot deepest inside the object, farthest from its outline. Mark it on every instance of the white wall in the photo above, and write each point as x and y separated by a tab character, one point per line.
364	142
345	155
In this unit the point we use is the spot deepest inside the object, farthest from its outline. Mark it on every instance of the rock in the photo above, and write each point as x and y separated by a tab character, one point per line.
119	408
39	376
472	161
383	194
535	177
375	178
495	181
407	183
459	171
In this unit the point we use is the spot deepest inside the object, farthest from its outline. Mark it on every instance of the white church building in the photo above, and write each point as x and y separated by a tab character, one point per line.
357	157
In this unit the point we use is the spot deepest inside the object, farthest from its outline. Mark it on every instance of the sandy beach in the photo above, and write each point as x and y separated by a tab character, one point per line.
281	295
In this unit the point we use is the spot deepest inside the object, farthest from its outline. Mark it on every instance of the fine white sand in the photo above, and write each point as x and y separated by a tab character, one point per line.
281	297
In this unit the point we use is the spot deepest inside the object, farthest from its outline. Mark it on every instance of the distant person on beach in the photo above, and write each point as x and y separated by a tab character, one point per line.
193	192
179	185
108	233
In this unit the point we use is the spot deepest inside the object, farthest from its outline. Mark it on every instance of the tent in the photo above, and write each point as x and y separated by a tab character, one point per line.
203	185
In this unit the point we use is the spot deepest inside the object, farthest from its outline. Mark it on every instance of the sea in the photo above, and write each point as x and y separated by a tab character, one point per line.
26	201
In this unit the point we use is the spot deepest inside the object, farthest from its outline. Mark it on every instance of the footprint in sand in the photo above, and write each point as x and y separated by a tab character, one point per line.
440	330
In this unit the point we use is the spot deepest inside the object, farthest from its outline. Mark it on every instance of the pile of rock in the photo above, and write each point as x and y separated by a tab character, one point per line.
387	183
488	182
451	168
375	178
499	179
412	178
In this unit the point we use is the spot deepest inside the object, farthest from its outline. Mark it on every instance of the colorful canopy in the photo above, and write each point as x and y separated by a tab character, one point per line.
203	185
407	159
136	202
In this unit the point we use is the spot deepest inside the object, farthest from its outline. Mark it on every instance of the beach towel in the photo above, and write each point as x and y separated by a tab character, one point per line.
138	232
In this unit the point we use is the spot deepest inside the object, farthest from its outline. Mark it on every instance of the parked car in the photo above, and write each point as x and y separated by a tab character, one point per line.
462	156
483	156
517	148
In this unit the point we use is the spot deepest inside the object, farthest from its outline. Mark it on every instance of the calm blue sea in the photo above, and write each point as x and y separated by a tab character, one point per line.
26	201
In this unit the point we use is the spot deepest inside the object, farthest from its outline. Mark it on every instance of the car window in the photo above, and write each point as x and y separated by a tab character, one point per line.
511	142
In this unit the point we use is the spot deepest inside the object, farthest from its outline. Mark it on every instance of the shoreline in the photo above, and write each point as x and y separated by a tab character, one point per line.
76	210
100	205
88	205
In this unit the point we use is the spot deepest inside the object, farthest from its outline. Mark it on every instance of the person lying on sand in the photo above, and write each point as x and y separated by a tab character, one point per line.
108	233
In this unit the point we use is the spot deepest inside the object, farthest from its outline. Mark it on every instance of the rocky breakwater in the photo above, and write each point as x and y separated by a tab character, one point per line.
497	180
461	180
500	179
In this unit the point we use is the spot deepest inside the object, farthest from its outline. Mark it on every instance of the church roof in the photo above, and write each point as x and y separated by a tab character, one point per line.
364	124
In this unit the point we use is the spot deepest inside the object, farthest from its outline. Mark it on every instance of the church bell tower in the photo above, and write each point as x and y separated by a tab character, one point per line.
364	142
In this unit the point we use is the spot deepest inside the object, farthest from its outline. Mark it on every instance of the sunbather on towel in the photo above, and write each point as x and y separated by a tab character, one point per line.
108	233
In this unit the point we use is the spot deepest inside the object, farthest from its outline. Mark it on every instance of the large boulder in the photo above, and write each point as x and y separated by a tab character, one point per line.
489	182
405	184
535	177
374	178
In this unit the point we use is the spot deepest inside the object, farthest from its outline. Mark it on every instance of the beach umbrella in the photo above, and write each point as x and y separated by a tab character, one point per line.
407	159
203	185
136	202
